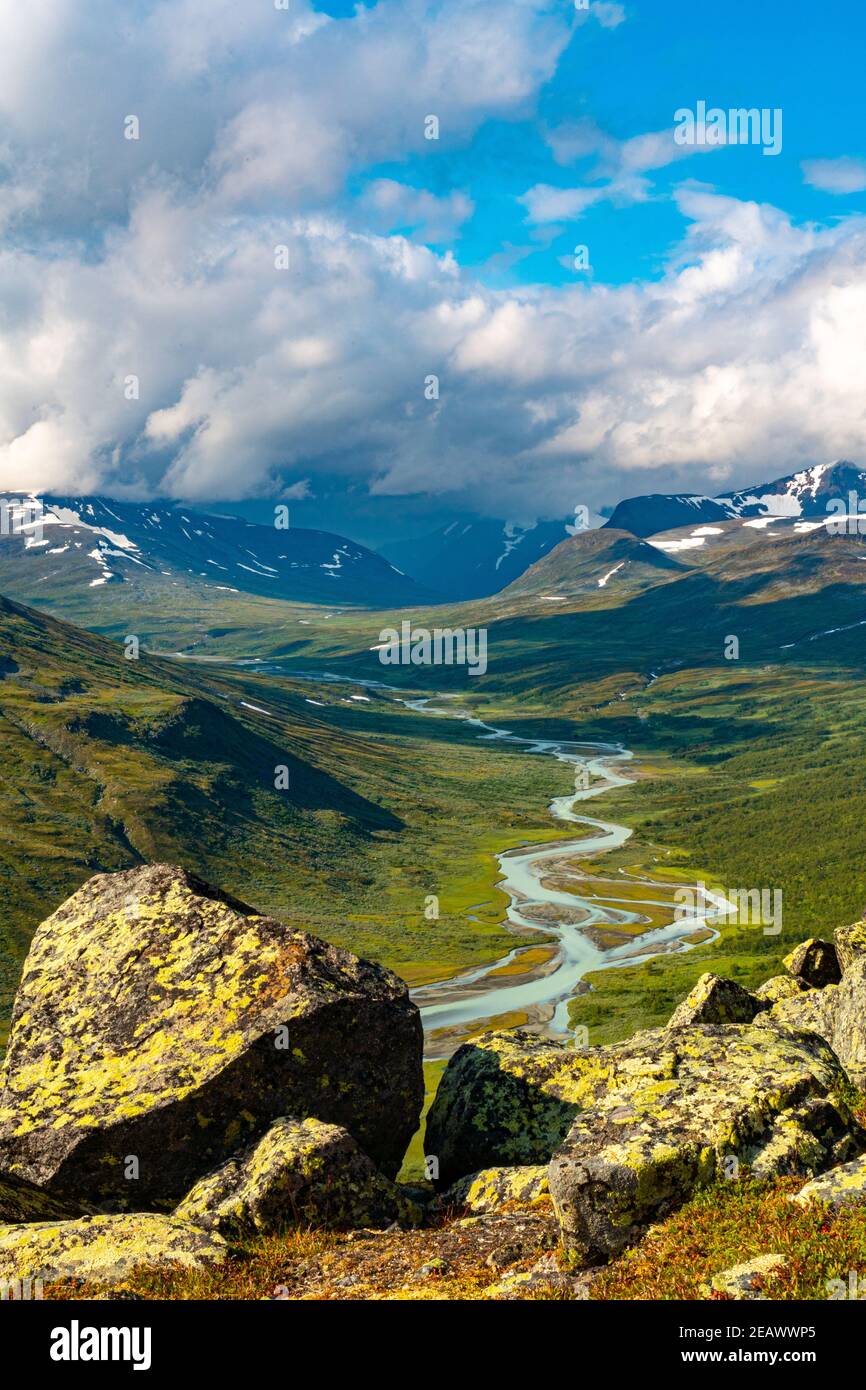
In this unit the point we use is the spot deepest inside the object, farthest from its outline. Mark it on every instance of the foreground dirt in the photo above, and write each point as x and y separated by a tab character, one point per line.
509	1254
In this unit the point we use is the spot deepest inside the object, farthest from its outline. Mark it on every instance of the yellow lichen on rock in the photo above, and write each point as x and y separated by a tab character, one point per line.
743	1098
844	1186
161	1024
104	1249
494	1188
301	1172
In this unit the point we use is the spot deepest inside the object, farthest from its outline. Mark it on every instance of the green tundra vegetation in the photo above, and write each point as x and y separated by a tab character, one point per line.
107	762
749	771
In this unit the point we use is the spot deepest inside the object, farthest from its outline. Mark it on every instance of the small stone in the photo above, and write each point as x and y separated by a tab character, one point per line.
745	1281
844	1186
545	1279
503	1256
515	1285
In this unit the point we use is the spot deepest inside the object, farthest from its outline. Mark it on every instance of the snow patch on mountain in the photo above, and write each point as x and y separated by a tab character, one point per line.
692	542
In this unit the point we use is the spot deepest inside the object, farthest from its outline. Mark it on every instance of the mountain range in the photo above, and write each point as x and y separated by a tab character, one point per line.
59	544
81	549
482	557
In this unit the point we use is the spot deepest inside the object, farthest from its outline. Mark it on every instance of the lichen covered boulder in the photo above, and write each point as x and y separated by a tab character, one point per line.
689	1103
508	1099
716	1000
810	1011
850	944
836	1013
105	1249
815	963
848	1021
300	1172
495	1188
161	1024
22	1201
844	1186
780	987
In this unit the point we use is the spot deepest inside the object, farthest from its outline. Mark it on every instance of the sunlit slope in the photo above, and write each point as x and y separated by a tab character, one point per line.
590	563
800	597
107	761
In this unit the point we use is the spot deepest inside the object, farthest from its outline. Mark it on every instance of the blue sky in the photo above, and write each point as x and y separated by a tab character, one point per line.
248	296
805	58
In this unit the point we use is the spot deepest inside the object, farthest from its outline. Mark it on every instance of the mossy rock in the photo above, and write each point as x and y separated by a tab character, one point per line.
105	1249
716	1000
746	1281
836	1013
161	1024
507	1100
844	1186
301	1172
693	1105
815	963
495	1188
850	944
780	987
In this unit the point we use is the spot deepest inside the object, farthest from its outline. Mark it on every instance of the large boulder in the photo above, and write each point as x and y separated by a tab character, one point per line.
508	1099
301	1172
161	1024
811	1011
815	963
836	1013
715	999
850	944
104	1249
692	1105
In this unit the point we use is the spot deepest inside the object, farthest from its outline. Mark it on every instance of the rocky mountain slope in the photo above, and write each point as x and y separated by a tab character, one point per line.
479	557
484	556
55	548
593	563
798	496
